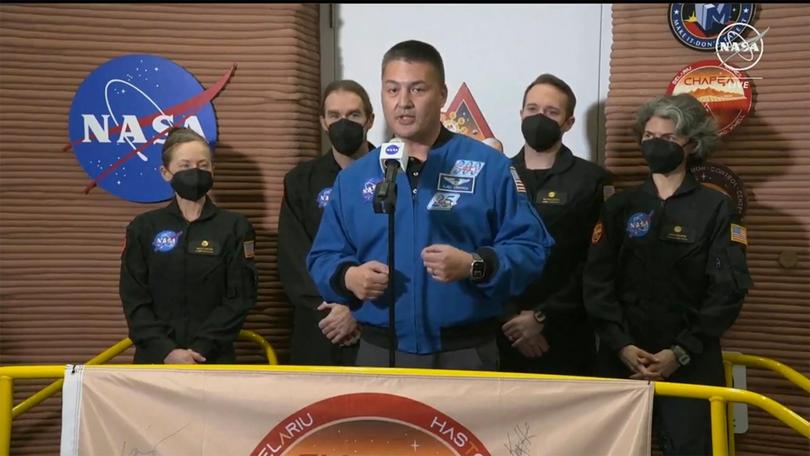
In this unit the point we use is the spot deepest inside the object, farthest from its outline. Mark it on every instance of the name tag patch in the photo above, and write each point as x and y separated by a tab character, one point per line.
203	247
457	184
552	197
678	233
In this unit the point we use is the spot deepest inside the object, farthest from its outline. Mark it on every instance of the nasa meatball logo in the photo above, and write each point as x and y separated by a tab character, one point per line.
638	225
699	25
369	187
119	118
324	196
369	424
165	241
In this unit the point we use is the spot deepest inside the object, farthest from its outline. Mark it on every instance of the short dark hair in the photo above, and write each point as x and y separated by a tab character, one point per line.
347	85
563	87
690	118
416	51
177	136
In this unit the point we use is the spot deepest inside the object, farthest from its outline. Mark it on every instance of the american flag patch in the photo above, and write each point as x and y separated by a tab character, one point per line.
248	247
518	183
739	234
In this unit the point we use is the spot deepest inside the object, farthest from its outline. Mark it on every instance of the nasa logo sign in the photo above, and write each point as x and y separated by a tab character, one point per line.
392	149
118	120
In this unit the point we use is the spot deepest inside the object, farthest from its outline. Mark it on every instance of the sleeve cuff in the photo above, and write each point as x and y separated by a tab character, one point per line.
690	343
491	263
615	338
162	347
204	347
338	280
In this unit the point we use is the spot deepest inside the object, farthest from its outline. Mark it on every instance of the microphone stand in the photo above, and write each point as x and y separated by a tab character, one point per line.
385	202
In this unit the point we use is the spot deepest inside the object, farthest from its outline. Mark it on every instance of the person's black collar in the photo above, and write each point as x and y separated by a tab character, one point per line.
445	135
688	185
209	209
563	161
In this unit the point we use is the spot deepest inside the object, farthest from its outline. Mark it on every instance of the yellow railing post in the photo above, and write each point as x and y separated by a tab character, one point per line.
6	398
728	370
719	426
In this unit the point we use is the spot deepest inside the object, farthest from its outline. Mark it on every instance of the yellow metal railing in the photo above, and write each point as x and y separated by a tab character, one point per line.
730	359
116	350
793	376
718	396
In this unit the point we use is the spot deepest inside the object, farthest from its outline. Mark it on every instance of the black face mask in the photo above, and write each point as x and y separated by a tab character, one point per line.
662	156
540	132
346	136
192	184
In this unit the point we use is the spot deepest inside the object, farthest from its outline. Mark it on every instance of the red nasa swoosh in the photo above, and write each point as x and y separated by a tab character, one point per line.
187	108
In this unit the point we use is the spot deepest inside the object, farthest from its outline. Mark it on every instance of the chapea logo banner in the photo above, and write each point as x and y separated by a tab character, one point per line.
282	411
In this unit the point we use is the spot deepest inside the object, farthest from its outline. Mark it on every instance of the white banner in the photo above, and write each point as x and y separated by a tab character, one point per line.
163	411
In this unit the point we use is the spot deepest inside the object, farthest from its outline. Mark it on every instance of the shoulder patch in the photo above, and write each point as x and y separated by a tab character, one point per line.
518	183
739	234
598	230
248	249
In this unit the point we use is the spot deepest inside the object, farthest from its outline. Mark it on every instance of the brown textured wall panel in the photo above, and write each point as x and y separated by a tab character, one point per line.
59	248
770	151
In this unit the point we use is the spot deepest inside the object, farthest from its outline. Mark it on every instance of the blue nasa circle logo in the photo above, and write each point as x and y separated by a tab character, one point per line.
391	149
697	25
324	196
119	108
368	188
166	240
638	225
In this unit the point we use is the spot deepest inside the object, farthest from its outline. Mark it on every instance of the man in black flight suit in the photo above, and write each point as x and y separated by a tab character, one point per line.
323	333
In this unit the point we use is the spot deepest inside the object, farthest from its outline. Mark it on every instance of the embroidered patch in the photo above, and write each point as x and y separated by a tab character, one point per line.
369	187
638	225
324	196
518	182
739	234
203	247
166	240
678	233
443	201
247	247
458	184
467	168
597	233
552	197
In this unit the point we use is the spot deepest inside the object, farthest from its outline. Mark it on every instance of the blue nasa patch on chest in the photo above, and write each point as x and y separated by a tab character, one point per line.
458	184
638	225
368	188
324	196
166	240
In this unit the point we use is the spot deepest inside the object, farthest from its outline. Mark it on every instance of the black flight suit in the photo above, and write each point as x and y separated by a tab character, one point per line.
306	192
187	285
568	197
663	273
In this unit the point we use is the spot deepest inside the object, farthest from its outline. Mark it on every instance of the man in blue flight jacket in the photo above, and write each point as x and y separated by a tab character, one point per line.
467	236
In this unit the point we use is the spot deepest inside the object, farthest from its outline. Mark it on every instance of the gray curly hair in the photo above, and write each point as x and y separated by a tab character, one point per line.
690	118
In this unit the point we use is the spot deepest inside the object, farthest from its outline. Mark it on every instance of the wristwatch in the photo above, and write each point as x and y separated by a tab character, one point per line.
681	355
478	268
539	316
